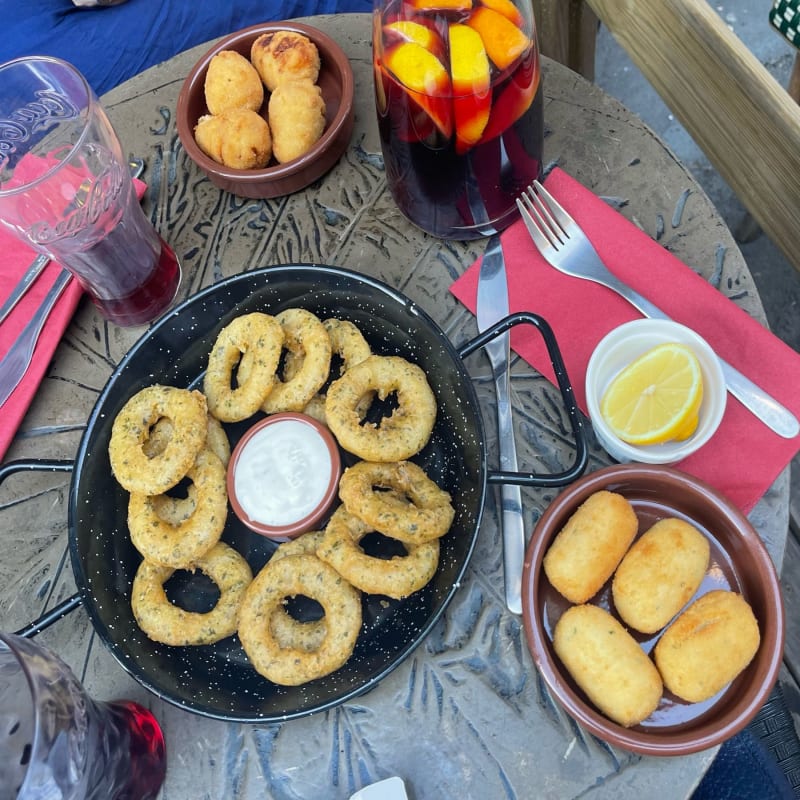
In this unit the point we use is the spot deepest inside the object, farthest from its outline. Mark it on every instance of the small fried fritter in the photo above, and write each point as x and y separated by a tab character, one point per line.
296	118
239	138
589	547
608	664
659	574
708	645
232	82
281	56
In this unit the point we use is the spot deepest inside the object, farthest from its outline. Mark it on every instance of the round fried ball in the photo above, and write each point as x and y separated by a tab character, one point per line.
281	56
232	82
239	138
296	119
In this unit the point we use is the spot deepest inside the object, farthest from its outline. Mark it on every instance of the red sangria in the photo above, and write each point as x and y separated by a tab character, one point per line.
458	93
130	273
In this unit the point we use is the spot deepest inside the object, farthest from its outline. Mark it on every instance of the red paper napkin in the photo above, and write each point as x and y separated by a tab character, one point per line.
744	457
15	258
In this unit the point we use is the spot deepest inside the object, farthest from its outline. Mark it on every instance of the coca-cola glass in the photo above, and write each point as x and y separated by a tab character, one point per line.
57	742
66	191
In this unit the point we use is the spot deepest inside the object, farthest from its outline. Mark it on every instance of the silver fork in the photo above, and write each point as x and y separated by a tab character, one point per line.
566	247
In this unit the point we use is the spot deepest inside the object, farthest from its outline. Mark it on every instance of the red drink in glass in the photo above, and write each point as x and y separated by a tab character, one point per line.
128	270
57	741
459	101
65	189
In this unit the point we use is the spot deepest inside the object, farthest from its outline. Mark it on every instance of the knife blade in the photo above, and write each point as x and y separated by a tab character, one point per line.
492	306
16	361
31	274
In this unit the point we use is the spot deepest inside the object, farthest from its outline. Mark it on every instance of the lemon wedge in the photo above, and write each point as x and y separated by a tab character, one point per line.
656	398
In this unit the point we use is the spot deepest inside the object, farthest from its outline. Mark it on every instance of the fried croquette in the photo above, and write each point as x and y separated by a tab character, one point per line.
587	550
608	664
281	56
708	645
239	138
232	82
296	119
660	574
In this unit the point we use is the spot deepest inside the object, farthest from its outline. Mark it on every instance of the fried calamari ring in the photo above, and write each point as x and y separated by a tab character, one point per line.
287	577
305	544
303	334
168	623
422	511
288	631
398	436
349	344
131	466
176	545
396	577
253	342
315	408
216	439
175	510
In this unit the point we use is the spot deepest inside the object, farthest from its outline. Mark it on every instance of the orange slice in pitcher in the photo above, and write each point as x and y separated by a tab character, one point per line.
514	99
440	5
503	40
507	9
426	80
472	89
408	31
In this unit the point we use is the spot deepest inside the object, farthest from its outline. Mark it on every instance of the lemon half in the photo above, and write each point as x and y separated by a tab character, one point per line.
656	398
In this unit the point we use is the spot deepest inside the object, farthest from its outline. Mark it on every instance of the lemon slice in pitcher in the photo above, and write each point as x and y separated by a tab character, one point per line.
656	398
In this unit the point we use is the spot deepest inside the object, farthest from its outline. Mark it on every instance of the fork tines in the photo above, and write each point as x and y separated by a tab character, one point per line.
541	225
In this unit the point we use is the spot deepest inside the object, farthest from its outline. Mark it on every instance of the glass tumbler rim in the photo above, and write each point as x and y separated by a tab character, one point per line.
92	102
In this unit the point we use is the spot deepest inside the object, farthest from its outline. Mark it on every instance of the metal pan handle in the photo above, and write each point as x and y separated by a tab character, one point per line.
72	602
581	458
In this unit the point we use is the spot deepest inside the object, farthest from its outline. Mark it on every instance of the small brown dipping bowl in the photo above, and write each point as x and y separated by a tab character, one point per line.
297	467
335	81
739	561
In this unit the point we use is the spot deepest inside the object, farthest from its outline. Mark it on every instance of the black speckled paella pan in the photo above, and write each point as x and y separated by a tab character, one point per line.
218	680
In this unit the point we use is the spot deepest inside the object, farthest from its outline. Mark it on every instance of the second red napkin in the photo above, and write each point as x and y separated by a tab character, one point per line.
744	457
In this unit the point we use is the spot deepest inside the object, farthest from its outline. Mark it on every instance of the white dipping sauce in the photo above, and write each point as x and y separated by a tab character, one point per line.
282	473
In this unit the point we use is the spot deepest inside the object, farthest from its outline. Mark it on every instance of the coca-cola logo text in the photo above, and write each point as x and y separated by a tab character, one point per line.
36	116
92	200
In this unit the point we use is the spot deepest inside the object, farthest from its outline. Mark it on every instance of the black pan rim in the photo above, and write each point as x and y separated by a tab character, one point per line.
82	579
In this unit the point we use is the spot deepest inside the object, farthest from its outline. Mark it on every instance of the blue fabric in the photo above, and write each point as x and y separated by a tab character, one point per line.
110	45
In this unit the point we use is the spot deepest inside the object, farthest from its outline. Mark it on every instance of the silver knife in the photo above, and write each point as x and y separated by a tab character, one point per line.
493	306
31	274
16	361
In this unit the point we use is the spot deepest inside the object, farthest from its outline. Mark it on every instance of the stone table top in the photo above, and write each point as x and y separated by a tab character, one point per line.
466	714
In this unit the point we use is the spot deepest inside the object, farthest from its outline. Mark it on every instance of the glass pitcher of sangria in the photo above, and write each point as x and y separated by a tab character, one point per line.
458	93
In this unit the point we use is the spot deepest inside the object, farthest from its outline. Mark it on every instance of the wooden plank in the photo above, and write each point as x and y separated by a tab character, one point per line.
567	32
744	121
